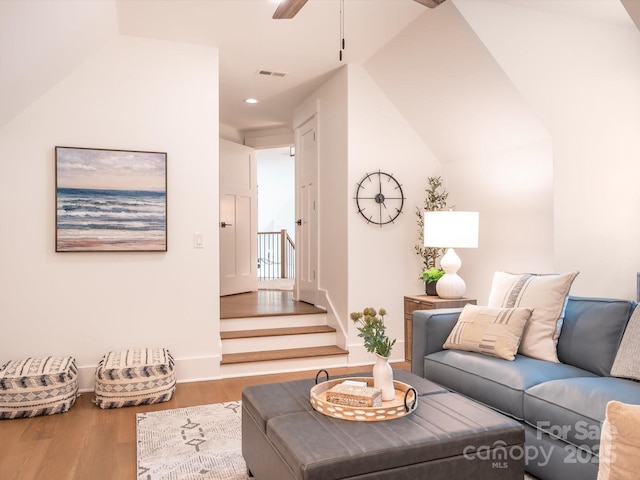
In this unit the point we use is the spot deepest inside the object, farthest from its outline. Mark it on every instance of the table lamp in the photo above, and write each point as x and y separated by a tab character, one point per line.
451	229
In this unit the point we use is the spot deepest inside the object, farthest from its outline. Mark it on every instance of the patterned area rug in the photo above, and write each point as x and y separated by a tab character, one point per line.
195	443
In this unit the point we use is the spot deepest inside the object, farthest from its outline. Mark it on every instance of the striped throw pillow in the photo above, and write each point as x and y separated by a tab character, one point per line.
547	296
489	330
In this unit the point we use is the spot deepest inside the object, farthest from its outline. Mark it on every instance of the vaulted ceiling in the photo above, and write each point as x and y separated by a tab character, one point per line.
42	41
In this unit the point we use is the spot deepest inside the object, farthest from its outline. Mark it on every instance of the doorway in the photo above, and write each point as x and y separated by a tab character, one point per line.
276	218
274	238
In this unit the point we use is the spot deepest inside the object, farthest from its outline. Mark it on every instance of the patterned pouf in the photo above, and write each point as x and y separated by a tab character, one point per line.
135	377
37	386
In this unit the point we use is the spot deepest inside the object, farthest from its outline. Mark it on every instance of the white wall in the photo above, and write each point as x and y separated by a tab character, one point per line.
495	153
330	103
581	74
513	191
132	94
382	264
361	264
39	52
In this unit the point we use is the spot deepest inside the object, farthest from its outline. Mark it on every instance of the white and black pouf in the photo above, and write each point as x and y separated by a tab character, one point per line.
135	377
37	386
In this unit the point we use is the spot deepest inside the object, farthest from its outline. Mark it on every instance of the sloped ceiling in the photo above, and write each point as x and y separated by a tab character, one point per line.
447	84
633	8
305	48
42	42
450	89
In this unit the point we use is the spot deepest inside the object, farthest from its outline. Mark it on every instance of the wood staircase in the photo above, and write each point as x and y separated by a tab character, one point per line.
269	341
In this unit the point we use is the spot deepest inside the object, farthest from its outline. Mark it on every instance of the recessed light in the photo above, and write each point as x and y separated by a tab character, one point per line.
250	100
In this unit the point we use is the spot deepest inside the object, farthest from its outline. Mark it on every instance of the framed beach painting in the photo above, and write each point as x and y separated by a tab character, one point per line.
110	200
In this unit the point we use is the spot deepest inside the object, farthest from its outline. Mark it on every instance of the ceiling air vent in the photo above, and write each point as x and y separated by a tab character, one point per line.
269	73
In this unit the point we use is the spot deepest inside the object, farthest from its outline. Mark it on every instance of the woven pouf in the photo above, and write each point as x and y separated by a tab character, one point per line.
135	377
37	386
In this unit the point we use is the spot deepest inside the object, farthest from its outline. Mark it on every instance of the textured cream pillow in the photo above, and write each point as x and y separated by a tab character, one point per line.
494	331
547	295
619	454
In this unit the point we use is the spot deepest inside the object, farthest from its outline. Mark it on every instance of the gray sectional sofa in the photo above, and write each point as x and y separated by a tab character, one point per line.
561	405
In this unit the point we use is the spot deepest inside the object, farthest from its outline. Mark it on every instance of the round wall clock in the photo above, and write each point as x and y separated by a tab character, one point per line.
379	198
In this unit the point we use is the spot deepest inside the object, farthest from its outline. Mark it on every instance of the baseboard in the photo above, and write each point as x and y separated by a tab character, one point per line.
195	369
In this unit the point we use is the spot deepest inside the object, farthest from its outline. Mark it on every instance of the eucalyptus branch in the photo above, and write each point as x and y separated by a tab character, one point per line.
372	329
435	200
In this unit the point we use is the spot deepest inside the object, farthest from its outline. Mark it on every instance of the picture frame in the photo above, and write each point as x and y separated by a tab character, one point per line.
110	200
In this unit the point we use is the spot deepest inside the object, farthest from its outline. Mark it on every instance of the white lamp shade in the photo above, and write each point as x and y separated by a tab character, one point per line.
450	229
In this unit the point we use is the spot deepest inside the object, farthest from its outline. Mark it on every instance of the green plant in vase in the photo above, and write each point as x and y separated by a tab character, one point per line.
430	277
370	324
372	329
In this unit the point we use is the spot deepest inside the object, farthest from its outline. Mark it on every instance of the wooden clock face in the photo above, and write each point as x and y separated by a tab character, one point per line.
379	198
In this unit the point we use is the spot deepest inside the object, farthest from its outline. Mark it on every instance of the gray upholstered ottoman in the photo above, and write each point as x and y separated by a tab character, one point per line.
270	400
37	386
140	376
448	436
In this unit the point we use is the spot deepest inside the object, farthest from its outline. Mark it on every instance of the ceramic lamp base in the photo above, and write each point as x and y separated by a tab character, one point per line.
450	285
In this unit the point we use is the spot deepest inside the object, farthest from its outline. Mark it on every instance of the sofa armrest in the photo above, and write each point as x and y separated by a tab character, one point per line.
429	331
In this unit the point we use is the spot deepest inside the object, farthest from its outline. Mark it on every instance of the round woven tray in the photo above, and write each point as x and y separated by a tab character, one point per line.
406	402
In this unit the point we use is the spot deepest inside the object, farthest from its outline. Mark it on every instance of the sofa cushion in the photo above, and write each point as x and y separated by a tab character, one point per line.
489	330
550	458
619	459
591	332
493	381
627	361
547	295
573	408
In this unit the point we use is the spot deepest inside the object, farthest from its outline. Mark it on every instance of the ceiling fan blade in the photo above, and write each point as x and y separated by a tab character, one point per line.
288	9
430	3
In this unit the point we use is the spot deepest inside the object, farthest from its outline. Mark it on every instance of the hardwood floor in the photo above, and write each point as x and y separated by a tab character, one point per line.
88	443
263	303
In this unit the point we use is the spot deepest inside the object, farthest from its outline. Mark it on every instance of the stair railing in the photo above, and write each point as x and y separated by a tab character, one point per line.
276	255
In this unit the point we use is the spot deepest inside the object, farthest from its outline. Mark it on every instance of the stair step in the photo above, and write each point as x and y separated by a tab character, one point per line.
272	332
268	322
277	342
287	354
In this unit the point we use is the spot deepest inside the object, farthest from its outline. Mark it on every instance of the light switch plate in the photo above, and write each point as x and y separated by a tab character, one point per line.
198	240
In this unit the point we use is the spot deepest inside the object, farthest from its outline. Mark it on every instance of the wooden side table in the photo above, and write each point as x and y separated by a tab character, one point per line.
425	302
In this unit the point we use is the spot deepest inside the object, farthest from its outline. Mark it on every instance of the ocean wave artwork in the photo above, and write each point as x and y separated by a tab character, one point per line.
110	200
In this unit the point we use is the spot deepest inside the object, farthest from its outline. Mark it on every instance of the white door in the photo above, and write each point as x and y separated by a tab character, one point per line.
238	219
307	211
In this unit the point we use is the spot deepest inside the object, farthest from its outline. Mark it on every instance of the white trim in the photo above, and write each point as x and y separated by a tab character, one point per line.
195	369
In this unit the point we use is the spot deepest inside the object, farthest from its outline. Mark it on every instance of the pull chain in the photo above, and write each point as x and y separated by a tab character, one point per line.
342	43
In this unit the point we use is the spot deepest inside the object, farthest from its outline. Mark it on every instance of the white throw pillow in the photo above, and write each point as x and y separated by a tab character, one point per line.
547	296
